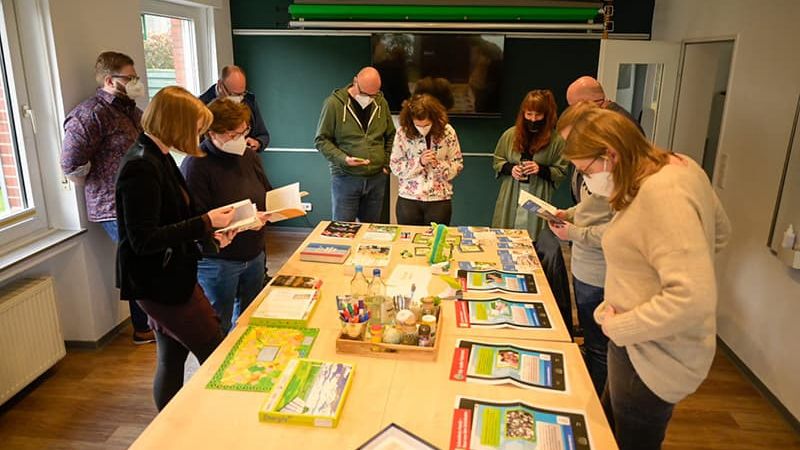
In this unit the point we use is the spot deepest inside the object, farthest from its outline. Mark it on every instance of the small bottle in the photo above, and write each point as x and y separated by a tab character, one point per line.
424	336
359	287
789	237
375	296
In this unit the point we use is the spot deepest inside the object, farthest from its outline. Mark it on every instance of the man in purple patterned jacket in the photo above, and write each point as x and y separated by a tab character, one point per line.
97	134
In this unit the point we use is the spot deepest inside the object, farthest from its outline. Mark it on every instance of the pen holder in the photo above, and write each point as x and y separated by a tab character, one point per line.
354	331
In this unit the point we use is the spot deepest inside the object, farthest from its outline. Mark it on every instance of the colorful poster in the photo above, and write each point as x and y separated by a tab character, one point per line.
501	313
488	425
482	362
259	356
496	280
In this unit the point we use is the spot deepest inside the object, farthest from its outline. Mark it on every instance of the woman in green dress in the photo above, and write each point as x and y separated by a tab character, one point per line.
528	157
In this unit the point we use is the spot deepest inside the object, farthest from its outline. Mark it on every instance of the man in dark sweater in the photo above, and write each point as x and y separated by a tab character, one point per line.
230	172
232	84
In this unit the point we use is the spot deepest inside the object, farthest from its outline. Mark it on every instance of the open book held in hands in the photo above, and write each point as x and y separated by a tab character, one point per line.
538	206
244	217
284	203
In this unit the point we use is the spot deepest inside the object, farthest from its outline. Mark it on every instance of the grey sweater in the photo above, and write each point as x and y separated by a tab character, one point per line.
660	278
589	217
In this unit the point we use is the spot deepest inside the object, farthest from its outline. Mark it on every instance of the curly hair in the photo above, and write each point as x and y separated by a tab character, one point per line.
421	107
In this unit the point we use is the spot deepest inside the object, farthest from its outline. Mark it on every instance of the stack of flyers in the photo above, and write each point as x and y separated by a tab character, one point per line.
476	265
466	232
514	260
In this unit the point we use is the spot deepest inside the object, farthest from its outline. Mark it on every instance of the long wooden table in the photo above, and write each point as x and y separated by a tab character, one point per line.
416	395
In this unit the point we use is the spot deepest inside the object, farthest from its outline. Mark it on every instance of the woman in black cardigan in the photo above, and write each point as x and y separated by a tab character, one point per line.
159	232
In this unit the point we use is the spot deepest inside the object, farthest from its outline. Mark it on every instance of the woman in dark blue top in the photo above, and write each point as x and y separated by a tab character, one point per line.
230	172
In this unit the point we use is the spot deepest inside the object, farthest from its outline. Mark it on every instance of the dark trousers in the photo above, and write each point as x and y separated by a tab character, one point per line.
548	248
192	326
595	343
138	317
417	212
357	197
637	416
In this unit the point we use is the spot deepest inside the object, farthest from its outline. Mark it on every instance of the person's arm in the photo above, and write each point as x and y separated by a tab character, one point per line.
82	137
500	163
325	141
388	135
722	226
591	235
139	191
674	245
259	129
454	161
404	162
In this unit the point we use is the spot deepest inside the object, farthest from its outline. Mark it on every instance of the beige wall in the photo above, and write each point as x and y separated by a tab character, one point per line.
759	298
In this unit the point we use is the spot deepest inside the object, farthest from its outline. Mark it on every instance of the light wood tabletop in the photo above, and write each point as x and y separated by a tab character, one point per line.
418	395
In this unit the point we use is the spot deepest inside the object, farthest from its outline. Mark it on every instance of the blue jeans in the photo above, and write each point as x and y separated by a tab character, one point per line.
138	317
355	197
637	416
595	343
231	285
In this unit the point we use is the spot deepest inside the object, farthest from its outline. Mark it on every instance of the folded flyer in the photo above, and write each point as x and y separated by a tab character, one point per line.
501	313
497	281
490	425
483	362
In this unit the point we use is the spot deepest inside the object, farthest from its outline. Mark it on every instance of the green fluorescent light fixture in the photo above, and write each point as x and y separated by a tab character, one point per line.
442	13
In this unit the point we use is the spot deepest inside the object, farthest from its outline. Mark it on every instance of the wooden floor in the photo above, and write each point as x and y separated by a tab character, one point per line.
101	399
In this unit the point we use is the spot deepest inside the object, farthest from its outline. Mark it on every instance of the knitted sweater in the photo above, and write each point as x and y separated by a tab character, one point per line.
660	278
590	218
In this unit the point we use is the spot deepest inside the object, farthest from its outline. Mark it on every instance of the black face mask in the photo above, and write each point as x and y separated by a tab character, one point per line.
534	126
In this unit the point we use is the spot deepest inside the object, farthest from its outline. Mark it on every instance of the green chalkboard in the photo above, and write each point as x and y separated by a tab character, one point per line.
292	75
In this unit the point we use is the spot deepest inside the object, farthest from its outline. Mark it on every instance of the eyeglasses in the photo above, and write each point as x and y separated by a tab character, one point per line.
232	135
583	171
364	93
127	78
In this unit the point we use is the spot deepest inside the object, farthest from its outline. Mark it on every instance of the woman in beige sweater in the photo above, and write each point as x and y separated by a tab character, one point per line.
660	301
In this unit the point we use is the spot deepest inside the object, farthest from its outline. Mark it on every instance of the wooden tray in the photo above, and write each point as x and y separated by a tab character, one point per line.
393	351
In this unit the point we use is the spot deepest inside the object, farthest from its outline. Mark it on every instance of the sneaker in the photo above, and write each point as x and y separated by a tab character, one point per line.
143	337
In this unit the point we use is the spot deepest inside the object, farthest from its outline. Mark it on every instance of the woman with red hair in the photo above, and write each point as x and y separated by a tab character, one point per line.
528	157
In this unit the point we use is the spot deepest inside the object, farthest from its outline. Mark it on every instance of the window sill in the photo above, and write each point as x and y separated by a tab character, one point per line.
33	249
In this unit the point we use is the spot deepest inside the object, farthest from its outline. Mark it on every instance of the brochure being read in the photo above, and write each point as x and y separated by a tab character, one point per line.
284	203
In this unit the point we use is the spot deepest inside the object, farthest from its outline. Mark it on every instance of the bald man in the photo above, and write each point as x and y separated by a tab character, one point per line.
233	85
587	89
355	134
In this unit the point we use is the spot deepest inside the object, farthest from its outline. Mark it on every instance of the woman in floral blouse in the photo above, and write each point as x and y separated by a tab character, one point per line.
426	157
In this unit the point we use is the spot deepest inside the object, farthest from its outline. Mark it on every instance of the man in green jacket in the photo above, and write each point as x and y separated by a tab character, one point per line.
355	133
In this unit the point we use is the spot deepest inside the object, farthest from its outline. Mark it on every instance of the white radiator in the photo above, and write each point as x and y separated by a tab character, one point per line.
30	336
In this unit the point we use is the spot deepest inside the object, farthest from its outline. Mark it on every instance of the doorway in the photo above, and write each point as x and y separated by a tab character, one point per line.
702	91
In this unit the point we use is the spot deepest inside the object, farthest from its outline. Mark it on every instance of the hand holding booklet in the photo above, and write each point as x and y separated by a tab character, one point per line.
282	203
539	207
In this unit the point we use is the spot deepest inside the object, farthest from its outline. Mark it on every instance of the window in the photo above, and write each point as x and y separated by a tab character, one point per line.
176	46
22	207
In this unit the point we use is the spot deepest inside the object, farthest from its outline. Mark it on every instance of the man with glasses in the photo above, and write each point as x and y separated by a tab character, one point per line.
355	134
97	134
232	84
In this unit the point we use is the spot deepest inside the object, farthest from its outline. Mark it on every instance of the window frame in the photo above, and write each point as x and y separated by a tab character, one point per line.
205	47
22	123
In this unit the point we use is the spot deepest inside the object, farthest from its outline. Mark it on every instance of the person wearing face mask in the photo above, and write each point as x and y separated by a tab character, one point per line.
232	84
659	307
97	133
584	226
426	157
229	172
528	157
355	134
161	231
